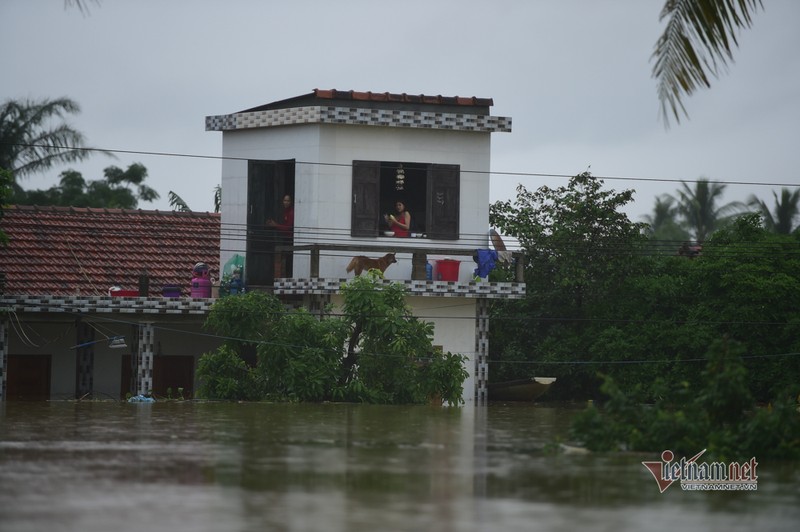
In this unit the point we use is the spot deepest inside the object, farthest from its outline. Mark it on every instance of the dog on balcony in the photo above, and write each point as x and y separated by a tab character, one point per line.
360	263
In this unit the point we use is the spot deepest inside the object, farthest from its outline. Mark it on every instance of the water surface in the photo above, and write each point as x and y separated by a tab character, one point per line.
189	466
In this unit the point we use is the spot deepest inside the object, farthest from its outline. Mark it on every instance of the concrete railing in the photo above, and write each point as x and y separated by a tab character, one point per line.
419	255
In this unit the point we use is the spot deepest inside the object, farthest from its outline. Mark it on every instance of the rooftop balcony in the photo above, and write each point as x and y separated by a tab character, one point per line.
306	278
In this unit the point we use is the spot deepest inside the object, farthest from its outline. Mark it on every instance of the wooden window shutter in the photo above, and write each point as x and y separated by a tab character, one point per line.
443	201
366	198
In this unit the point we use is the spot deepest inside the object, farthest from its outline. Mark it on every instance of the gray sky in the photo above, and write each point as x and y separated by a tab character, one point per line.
573	75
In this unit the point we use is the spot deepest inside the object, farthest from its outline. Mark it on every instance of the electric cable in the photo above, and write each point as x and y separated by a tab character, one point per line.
490	172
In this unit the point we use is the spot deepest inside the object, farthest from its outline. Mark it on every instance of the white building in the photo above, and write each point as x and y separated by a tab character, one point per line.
345	157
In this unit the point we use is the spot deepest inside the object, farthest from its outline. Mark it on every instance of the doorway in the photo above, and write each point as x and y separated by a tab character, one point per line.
267	183
28	377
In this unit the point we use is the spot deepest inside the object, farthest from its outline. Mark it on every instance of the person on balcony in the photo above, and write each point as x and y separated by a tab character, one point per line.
286	236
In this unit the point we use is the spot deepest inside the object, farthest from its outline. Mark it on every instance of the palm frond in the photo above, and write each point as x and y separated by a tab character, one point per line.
82	5
217	198
177	203
29	145
697	42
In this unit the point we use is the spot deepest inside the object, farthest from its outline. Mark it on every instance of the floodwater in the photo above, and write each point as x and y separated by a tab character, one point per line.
190	466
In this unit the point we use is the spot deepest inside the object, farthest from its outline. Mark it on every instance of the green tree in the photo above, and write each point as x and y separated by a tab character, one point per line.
781	219
743	287
133	176
121	189
610	306
721	416
696	44
701	215
664	226
579	250
375	352
29	143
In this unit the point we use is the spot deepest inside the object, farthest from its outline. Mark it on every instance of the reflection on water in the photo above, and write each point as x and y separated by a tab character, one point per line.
219	467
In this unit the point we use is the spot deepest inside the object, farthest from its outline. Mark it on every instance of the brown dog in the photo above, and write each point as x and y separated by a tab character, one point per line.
359	263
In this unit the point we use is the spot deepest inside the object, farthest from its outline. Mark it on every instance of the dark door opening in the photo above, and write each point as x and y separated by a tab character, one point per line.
170	373
267	183
28	377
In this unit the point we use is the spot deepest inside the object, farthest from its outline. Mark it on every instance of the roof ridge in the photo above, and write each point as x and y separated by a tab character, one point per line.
331	94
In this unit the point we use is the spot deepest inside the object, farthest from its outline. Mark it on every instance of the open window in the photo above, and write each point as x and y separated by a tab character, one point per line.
429	191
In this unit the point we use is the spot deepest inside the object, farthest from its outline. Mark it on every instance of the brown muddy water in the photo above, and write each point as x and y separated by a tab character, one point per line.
251	467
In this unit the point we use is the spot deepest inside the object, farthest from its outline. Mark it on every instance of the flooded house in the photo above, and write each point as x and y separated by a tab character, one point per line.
345	159
97	303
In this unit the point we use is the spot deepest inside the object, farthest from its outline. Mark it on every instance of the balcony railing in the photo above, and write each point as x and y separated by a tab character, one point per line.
419	256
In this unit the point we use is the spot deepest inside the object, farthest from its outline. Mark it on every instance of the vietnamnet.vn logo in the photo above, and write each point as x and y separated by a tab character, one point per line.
694	475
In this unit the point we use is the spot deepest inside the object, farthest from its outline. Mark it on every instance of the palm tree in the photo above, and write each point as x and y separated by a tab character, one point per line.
695	45
664	224
699	210
29	145
178	204
781	219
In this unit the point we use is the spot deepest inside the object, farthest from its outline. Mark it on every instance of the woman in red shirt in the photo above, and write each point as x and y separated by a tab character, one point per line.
286	234
400	223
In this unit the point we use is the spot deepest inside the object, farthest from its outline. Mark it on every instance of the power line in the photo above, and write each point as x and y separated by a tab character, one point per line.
490	361
346	165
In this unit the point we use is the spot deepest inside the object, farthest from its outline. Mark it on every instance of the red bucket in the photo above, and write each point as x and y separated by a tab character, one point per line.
447	270
124	293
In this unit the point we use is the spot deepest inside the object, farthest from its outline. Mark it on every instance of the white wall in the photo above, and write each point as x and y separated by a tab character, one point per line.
323	192
454	329
291	142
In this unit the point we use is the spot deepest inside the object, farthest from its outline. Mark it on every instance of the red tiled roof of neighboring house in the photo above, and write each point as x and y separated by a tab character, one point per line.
72	250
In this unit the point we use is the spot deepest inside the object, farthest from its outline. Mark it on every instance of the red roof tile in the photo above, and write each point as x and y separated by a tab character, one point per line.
72	250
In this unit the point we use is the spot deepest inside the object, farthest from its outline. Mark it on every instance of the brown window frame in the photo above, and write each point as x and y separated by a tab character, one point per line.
442	199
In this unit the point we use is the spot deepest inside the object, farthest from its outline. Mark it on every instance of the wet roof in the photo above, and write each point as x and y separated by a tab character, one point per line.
73	250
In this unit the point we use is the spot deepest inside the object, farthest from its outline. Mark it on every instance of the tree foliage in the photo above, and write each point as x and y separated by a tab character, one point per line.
376	352
579	250
636	312
700	209
781	219
664	224
120	189
720	416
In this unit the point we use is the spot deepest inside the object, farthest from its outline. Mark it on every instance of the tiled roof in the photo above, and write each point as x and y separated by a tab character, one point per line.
72	251
355	97
383	109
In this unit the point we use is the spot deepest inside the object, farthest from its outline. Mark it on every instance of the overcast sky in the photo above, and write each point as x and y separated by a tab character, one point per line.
574	75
